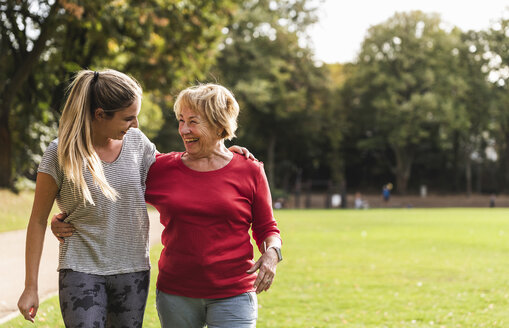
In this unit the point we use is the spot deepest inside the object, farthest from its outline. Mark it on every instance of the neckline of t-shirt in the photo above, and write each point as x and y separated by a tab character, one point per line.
213	172
124	140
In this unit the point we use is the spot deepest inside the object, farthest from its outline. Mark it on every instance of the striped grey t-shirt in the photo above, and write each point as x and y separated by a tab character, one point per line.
110	237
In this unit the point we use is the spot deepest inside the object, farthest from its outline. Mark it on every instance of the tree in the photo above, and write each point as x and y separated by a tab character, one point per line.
467	107
496	53
164	44
279	87
19	55
399	87
335	120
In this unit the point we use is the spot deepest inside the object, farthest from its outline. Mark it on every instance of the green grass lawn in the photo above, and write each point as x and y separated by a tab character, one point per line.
378	268
16	208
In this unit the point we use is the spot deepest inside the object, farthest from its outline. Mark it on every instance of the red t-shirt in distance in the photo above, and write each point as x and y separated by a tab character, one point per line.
207	216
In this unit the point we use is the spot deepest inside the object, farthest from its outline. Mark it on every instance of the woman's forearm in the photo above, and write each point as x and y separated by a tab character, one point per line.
45	192
33	252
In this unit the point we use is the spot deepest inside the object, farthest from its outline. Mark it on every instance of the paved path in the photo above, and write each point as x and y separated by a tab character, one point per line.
12	266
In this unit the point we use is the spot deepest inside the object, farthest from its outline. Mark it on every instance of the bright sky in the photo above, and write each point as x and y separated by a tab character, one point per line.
338	35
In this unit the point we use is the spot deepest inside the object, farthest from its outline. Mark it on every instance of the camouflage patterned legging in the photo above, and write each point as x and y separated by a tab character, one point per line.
94	301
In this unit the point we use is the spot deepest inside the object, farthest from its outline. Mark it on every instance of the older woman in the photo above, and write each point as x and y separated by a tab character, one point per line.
209	198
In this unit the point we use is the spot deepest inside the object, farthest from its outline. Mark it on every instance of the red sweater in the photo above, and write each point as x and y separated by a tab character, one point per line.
207	216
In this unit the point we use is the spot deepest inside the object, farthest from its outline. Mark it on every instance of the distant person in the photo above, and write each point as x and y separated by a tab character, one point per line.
279	203
493	198
358	202
386	192
335	200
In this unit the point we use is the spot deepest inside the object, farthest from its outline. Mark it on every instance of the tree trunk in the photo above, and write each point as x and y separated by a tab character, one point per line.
404	159
23	68
478	186
456	160
271	152
5	150
505	163
468	174
337	167
401	182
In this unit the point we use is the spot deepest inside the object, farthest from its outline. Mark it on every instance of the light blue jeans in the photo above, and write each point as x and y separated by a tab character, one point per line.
239	311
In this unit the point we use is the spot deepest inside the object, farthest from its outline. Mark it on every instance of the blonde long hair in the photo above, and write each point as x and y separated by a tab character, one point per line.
108	89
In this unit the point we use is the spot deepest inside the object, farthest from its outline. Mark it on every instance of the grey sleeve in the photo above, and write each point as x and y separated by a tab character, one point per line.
49	163
148	155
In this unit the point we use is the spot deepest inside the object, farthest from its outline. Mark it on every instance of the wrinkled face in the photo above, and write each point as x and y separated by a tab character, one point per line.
200	138
116	127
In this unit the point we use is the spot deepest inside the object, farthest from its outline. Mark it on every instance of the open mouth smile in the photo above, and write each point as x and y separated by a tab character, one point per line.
190	140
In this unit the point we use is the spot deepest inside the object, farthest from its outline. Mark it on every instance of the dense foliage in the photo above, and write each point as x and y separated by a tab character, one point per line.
423	104
166	45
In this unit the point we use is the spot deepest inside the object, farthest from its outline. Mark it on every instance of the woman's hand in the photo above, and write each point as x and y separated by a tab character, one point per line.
28	304
267	264
60	228
242	151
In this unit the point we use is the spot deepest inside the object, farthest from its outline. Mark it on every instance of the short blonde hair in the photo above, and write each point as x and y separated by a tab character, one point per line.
214	103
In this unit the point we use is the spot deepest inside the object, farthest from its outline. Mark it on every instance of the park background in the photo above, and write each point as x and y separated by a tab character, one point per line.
423	103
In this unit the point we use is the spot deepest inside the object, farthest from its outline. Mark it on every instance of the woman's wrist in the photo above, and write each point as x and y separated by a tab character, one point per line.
277	251
31	287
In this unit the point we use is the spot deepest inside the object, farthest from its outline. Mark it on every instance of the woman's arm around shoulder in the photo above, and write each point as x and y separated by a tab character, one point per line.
242	151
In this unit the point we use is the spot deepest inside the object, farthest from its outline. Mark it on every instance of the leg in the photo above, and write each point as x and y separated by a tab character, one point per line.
179	311
239	311
127	297
82	299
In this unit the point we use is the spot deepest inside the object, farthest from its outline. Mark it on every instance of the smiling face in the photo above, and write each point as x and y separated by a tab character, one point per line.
116	126
199	136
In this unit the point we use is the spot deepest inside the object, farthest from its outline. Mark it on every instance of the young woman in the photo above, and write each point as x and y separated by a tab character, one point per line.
96	171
